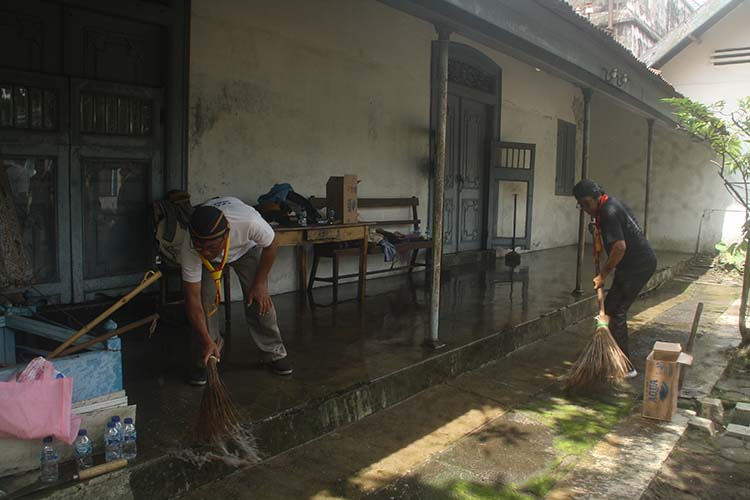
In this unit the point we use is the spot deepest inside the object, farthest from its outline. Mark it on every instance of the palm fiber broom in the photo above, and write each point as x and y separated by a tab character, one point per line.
217	418
602	362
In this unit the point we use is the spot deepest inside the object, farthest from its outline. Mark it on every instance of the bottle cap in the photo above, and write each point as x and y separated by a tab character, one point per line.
48	439
82	432
128	420
116	418
110	424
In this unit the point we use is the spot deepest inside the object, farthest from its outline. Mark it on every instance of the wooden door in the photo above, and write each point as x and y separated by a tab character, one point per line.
465	174
472	175
81	141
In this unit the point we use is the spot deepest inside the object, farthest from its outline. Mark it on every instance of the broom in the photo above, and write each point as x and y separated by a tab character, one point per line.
602	362
217	418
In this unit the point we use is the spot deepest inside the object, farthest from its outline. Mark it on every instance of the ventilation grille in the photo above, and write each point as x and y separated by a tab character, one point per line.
725	57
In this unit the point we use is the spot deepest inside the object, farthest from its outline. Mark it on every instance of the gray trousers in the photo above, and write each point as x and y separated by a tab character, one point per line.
263	329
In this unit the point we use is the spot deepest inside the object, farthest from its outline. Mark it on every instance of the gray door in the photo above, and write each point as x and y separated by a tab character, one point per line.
116	169
465	174
81	149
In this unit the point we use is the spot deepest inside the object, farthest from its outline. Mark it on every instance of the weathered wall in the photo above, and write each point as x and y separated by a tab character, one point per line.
532	102
296	91
685	189
693	74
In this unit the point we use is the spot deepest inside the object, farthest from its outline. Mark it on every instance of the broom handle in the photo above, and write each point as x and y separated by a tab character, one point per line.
113	333
150	278
599	291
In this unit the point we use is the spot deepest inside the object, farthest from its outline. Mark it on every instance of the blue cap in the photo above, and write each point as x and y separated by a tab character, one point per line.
128	420
48	439
110	424
82	432
116	418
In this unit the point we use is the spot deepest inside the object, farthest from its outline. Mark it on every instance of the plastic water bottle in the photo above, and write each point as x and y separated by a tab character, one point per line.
49	459
118	425
84	450
112	443
129	443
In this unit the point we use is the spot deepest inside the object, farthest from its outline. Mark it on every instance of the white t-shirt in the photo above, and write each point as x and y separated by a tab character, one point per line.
247	229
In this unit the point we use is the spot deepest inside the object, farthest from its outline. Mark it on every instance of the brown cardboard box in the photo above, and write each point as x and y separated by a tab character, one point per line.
661	384
341	197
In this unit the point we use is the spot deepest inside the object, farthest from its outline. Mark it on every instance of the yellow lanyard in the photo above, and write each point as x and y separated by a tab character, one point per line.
216	275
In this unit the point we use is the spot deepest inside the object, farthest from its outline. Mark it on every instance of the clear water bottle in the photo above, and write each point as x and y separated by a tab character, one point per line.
129	443
118	424
302	218
84	450
49	460
112	443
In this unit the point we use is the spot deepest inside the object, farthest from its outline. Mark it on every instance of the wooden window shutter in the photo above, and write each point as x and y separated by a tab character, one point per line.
565	172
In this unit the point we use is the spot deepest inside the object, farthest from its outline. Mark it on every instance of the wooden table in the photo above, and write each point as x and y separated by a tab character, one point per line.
303	237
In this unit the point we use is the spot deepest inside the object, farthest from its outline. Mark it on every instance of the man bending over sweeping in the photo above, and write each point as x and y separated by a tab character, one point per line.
227	232
629	253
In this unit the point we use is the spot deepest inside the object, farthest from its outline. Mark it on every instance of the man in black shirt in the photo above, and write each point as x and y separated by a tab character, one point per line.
629	254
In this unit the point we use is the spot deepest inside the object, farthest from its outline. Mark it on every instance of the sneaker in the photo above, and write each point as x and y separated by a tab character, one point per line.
631	374
281	367
198	377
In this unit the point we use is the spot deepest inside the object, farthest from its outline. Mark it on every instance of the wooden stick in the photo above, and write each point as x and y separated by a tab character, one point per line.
694	329
148	280
101	469
691	340
102	338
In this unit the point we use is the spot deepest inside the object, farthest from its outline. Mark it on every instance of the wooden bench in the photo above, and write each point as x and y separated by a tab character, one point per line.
336	252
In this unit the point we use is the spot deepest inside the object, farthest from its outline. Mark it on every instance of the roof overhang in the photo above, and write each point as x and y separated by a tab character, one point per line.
672	44
549	35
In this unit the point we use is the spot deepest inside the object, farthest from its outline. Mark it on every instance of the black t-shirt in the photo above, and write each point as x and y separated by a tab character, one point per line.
617	222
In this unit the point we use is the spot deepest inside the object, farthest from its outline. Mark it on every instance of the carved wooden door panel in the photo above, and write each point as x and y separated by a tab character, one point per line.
472	174
452	168
116	151
465	174
81	147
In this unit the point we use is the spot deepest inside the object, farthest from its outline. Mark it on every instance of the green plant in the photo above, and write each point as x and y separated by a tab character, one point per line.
732	255
728	135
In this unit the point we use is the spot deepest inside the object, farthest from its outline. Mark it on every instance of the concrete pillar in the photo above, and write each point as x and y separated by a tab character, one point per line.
649	171
584	174
439	179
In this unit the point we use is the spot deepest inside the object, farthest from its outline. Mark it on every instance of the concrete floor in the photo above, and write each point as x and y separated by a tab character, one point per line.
336	347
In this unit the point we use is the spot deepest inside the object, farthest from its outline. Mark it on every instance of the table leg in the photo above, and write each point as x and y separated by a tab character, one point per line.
302	261
363	267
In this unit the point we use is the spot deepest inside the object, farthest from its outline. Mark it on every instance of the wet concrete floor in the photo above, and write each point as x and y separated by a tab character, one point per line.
336	347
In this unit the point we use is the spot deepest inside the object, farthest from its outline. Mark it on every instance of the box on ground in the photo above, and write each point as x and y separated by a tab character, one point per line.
341	197
661	385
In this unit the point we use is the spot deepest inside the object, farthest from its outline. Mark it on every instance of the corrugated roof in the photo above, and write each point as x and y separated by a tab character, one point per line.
567	11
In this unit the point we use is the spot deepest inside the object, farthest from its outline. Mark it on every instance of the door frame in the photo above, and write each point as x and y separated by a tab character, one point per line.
512	172
473	57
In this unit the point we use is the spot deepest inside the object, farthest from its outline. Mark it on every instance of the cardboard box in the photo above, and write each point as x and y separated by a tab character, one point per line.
341	197
661	384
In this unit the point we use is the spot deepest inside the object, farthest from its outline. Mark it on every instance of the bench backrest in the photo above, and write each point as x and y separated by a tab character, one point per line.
412	202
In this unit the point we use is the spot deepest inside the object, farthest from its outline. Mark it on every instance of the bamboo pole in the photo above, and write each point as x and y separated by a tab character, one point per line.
113	333
148	280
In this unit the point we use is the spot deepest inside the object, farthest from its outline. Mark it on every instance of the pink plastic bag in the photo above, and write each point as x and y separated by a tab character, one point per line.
38	405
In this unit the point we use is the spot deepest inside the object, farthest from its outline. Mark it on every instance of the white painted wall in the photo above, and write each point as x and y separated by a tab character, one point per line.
296	91
693	74
686	188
